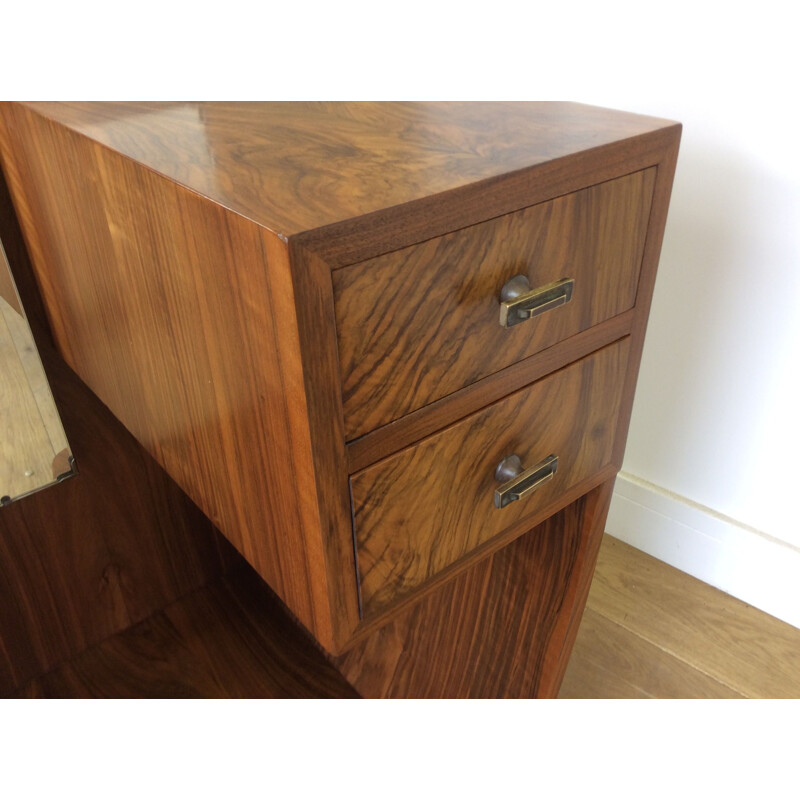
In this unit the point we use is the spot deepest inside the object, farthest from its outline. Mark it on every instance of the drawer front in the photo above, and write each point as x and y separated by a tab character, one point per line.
423	508
420	323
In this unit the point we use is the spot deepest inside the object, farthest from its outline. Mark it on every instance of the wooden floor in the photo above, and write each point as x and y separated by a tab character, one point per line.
650	630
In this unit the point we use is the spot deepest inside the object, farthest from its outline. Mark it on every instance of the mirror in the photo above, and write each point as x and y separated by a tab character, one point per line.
34	452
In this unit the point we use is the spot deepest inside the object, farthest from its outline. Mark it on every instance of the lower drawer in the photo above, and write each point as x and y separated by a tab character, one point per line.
422	509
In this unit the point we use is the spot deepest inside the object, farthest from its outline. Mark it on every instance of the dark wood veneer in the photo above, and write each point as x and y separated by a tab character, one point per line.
87	558
422	509
502	628
301	167
198	263
153	293
229	639
390	438
420	323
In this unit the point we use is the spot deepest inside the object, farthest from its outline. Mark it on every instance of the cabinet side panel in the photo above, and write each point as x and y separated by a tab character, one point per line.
87	558
179	315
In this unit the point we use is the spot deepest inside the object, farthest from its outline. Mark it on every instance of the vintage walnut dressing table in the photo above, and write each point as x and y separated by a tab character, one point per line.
389	349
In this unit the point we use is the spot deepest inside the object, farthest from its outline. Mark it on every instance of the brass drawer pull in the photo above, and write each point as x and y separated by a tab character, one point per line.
519	302
519	482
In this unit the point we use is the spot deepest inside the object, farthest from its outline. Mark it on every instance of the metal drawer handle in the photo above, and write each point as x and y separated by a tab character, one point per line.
519	302
519	482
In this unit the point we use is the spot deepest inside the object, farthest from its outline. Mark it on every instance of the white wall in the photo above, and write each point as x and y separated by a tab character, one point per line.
712	470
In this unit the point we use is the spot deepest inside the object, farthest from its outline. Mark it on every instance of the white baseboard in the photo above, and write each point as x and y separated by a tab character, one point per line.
741	561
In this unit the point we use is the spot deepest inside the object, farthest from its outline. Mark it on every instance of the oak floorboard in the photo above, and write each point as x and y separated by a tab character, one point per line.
747	650
610	662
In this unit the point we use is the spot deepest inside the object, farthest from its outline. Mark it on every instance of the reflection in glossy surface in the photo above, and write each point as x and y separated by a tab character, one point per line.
34	451
296	167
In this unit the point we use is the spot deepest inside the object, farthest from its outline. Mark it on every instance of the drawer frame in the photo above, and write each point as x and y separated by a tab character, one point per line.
315	254
416	484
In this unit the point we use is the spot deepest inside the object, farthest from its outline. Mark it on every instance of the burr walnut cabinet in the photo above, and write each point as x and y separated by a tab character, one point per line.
389	349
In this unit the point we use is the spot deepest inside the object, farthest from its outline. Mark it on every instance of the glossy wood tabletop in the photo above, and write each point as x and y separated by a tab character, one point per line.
294	167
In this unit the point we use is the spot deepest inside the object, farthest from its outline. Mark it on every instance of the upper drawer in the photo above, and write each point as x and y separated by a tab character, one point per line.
425	507
420	323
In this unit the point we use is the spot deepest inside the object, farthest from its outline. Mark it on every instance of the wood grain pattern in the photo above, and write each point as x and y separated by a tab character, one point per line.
295	167
417	512
415	426
565	630
229	639
88	557
500	629
608	662
368	626
233	639
185	255
325	420
361	238
420	323
180	317
735	644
